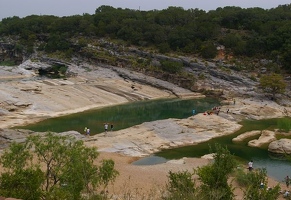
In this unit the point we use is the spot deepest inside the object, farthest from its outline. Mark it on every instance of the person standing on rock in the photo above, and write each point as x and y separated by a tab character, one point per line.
287	181
106	127
85	130
88	132
111	127
250	165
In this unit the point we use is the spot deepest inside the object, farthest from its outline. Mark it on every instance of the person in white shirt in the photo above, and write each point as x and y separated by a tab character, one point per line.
250	164
106	127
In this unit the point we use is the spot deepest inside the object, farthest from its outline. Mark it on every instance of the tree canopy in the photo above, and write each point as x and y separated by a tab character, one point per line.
254	32
273	84
53	167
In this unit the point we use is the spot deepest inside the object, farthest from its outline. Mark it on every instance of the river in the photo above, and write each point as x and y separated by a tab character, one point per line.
130	114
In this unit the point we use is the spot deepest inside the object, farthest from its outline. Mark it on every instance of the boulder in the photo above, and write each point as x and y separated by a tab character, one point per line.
242	137
280	146
265	138
208	156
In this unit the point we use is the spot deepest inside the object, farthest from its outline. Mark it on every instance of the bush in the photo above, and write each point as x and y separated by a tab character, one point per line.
171	67
256	186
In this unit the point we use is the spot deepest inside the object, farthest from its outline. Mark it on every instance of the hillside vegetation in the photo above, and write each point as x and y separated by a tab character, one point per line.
252	32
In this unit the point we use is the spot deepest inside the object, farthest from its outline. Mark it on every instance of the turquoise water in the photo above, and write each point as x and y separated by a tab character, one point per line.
124	116
276	168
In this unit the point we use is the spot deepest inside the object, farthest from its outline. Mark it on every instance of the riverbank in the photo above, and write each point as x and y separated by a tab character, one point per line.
26	98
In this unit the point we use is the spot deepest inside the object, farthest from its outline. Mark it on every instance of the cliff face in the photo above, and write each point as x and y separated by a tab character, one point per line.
8	52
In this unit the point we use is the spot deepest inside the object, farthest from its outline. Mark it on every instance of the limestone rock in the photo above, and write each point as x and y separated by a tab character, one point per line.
280	146
265	138
179	162
208	156
246	135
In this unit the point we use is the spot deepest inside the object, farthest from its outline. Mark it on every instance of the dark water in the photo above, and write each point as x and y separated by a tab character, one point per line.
124	116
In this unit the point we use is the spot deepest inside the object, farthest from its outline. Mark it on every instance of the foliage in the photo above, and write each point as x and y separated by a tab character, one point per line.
214	177
208	50
62	168
7	63
256	184
251	32
180	186
273	84
171	67
19	180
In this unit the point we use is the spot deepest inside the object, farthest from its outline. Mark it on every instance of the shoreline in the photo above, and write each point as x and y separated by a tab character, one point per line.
38	100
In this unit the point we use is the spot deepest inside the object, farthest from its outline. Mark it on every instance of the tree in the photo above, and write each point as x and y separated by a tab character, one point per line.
171	66
214	176
273	84
181	186
61	165
208	50
18	180
256	186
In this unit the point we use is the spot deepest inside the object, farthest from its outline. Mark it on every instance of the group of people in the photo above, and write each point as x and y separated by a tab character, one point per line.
214	110
285	193
106	126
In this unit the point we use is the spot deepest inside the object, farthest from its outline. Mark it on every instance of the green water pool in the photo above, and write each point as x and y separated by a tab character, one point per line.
134	113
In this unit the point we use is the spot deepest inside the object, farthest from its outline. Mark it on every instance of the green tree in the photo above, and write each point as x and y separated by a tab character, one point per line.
256	186
63	166
273	84
20	179
214	176
208	50
181	186
171	66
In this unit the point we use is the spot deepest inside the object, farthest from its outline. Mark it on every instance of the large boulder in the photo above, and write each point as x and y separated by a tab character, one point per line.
244	136
265	138
280	146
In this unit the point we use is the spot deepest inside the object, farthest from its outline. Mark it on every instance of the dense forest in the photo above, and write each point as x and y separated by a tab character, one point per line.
251	32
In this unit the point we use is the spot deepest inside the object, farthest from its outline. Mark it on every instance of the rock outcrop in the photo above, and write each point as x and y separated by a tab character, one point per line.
8	52
265	138
281	146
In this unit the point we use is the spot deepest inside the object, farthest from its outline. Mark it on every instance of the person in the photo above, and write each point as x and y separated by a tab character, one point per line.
85	130
193	112
111	127
250	164
88	132
287	181
262	185
106	127
227	111
286	194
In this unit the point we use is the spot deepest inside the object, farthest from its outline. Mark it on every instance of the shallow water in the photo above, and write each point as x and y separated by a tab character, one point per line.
276	168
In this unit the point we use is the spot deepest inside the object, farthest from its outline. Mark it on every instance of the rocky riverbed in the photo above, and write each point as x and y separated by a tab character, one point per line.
26	97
